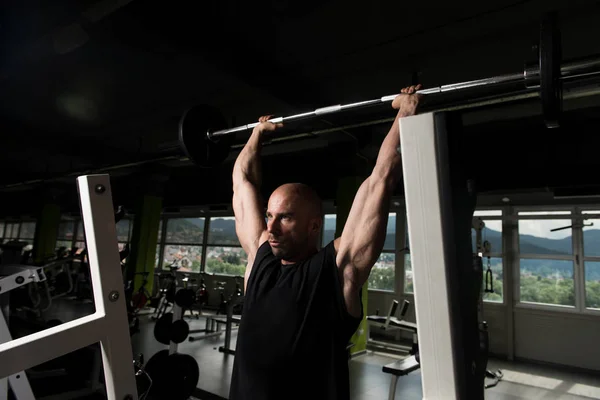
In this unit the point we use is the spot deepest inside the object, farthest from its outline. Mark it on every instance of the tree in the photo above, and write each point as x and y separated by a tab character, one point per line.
382	278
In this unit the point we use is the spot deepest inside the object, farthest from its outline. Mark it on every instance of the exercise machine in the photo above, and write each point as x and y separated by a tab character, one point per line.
483	248
107	326
390	323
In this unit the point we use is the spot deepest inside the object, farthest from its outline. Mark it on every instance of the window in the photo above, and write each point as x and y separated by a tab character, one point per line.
224	254
27	234
492	233
383	274
12	231
1	230
158	245
408	273
183	244
66	234
328	229
546	260
591	257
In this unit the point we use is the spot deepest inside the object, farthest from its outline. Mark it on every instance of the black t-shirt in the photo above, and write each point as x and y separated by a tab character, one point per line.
292	338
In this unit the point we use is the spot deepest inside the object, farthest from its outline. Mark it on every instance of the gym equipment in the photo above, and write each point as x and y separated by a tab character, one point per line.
483	248
108	326
174	376
233	304
13	277
206	142
412	362
166	330
185	298
203	118
550	56
390	323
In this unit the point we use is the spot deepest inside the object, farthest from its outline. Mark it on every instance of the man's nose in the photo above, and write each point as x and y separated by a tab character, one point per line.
272	225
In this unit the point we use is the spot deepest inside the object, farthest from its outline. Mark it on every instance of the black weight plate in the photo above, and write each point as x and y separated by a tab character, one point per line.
184	298
550	57
162	328
156	367
179	331
183	373
193	139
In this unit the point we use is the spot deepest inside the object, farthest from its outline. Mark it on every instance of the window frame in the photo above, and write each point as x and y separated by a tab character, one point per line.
577	257
480	213
208	244
163	243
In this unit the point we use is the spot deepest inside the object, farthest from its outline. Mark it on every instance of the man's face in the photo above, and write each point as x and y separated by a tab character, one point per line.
290	227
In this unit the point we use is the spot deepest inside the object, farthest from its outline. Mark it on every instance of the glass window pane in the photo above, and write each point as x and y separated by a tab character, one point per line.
544	212
492	233
497	280
159	231
390	237
383	273
11	231
226	261
157	257
65	230
1	229
592	284
487	213
64	243
547	282
123	230
328	229
408	275
222	231
27	230
591	237
80	231
538	237
185	230
187	258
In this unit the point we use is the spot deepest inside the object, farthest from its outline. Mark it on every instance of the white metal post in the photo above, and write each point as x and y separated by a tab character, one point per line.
108	325
423	186
97	210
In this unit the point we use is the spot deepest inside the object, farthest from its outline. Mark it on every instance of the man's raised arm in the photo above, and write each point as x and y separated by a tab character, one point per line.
250	223
364	233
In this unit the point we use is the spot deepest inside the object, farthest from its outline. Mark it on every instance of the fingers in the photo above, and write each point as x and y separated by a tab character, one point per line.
264	118
271	126
411	89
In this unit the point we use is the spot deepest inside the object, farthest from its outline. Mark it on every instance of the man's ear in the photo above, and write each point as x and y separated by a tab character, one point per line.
316	225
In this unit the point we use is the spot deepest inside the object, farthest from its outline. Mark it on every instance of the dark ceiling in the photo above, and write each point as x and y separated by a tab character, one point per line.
99	86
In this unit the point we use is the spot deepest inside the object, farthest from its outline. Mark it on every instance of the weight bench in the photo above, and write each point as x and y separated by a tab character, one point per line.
398	369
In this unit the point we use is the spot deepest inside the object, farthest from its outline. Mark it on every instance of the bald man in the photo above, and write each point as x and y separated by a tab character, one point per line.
302	305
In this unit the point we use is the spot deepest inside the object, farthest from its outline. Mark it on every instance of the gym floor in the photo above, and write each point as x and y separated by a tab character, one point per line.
368	382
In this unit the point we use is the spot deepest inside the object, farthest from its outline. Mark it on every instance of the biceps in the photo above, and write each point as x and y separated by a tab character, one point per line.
249	217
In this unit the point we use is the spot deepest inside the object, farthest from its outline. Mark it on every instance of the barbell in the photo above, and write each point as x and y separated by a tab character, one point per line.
207	143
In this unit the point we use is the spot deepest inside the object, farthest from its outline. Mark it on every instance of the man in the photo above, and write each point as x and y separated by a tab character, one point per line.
302	305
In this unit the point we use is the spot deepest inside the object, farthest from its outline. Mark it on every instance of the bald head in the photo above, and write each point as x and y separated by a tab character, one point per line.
294	221
302	196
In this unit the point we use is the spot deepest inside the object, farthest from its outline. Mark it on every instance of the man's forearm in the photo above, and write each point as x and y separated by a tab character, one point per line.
389	163
247	165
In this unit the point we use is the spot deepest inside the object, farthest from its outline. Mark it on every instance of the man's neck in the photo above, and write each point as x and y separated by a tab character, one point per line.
301	257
